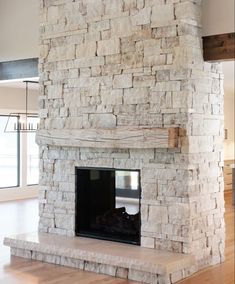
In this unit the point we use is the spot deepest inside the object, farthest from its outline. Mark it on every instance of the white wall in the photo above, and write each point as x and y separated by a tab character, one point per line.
218	17
228	69
229	124
14	98
19	29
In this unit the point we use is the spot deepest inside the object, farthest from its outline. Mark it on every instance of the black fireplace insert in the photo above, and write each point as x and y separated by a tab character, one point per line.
108	204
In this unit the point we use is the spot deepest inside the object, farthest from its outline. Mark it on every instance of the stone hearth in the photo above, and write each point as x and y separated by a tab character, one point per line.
124	86
119	260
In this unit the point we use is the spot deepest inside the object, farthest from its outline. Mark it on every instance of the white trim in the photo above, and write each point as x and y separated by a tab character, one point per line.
17	193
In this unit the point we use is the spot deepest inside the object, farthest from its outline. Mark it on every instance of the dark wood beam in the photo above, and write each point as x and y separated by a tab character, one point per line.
18	69
219	47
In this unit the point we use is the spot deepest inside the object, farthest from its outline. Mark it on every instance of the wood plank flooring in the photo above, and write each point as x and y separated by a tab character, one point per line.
21	217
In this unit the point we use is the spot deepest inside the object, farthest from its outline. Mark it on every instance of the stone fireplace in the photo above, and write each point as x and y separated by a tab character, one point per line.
124	87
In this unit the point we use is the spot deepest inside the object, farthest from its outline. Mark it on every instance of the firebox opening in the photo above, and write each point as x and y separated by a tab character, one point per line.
108	204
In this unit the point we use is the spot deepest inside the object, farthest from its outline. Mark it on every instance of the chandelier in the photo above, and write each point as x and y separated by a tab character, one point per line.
23	121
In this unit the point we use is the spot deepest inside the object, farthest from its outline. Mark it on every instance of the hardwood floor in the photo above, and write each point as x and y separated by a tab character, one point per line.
21	217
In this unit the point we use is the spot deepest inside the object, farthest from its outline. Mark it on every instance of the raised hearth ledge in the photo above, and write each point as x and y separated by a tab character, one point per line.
123	137
115	259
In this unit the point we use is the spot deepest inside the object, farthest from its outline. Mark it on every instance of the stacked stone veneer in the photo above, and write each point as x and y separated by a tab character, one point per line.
114	63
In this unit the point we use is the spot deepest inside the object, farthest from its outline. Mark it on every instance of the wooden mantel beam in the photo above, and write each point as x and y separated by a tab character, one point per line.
219	47
124	137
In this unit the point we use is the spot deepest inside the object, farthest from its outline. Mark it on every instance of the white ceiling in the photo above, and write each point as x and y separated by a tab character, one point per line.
217	17
19	29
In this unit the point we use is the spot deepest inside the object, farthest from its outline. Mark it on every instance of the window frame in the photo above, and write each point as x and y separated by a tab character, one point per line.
17	155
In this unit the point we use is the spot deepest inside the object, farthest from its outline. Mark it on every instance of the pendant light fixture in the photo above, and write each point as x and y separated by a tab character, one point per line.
26	121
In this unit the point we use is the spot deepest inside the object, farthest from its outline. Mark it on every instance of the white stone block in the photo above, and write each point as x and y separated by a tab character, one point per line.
122	272
71	262
144	81
132	60
89	62
37	256
64	112
146	154
147	242
100	26
65	221
113	7
135	95
180	74
95	10
167	86
182	100
112	98
102	120
162	32
86	50
150	191
21	253
44	50
76	21
130	4
122	81
178	213
188	10
142	17
142	276
53	14
152	47
61	53
55	92
157	215
212	126
50	258
108	47
43	113
121	27
155	60
108	269
92	266
162	15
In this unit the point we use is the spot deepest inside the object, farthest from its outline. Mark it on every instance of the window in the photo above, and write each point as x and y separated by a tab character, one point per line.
9	154
32	155
14	145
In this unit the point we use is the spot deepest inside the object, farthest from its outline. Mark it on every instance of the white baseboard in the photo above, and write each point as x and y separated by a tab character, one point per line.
17	193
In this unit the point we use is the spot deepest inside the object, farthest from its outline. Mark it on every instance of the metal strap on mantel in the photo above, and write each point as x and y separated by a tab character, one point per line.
123	137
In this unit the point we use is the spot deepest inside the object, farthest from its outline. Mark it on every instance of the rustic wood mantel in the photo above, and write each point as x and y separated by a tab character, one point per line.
124	137
219	47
